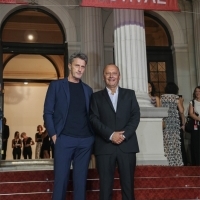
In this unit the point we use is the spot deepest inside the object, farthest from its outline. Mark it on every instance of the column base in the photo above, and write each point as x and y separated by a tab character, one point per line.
151	160
144	99
150	139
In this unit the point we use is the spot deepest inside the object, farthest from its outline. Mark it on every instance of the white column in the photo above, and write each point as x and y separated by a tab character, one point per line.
130	52
196	17
92	45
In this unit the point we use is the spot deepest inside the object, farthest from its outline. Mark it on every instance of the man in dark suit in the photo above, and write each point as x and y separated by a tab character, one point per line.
66	116
115	115
5	136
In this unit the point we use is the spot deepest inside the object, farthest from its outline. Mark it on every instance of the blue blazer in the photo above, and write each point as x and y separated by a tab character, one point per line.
56	105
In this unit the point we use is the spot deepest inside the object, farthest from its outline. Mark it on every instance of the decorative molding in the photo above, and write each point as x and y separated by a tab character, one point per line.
74	46
28	74
152	112
108	46
180	48
173	25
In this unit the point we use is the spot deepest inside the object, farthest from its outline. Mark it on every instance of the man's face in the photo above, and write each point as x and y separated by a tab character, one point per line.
111	76
77	69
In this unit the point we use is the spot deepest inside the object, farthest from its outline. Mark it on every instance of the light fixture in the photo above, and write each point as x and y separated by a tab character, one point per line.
25	83
30	36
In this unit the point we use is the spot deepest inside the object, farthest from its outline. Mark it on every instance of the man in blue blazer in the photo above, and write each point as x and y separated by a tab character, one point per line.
66	117
115	116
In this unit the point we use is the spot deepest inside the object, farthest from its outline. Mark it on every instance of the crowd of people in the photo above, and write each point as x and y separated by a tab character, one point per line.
21	144
174	125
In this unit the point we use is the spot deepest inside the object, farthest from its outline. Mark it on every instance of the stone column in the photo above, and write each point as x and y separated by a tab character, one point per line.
92	45
196	17
130	52
130	57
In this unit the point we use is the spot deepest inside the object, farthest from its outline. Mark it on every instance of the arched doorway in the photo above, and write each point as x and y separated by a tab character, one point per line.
33	51
159	53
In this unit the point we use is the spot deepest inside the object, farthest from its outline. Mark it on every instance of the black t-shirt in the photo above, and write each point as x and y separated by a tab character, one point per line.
77	123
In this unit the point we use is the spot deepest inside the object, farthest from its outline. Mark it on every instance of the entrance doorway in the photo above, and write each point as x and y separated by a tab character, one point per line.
159	53
34	53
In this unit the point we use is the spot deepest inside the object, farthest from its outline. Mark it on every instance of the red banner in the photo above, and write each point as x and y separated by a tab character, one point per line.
170	5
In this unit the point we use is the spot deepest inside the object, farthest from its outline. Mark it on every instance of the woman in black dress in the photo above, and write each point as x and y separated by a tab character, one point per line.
27	143
16	145
45	145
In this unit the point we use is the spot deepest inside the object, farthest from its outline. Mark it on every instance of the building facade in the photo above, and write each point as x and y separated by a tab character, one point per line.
159	46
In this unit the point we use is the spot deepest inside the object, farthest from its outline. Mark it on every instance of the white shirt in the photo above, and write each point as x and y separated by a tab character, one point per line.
196	106
113	97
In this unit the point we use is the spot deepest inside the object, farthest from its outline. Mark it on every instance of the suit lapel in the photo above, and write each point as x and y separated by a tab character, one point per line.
86	96
65	85
105	94
119	98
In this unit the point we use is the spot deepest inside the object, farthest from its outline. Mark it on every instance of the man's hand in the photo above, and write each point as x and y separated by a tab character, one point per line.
118	137
54	139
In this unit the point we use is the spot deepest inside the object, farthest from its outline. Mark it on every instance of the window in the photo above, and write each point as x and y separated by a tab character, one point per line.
159	53
158	76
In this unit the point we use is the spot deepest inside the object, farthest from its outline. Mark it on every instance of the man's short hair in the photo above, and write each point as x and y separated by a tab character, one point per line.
80	55
110	64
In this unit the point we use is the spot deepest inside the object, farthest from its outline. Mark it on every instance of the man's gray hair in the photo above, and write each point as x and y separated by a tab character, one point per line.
80	55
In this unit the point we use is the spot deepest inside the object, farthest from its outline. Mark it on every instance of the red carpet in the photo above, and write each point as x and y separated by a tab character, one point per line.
151	183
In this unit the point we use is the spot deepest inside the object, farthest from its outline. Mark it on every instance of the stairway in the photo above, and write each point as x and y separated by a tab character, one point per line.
151	183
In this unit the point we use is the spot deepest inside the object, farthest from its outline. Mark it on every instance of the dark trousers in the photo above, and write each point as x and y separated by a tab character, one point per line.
106	165
184	157
195	147
27	152
52	149
16	153
69	150
4	148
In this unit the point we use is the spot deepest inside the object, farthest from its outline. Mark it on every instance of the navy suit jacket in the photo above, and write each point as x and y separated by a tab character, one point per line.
56	105
105	121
